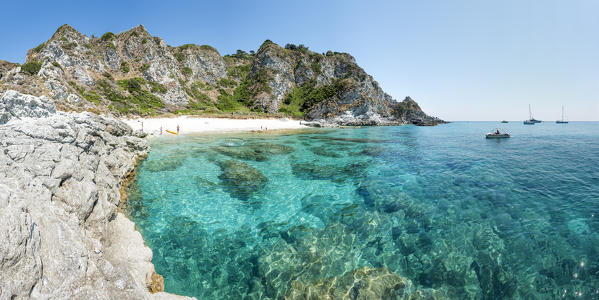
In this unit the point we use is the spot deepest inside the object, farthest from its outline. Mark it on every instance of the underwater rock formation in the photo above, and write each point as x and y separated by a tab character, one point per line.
240	179
255	150
361	284
335	173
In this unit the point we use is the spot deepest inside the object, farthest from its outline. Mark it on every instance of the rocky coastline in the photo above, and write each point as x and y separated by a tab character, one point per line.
64	157
133	73
63	234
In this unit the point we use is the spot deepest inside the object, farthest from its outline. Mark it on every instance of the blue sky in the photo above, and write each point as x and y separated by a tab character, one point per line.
460	60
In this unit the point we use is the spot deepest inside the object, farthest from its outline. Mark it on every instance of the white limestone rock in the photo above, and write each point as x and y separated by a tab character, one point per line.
60	179
14	105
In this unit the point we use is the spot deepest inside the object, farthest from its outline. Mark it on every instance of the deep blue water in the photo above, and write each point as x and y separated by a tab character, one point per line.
251	215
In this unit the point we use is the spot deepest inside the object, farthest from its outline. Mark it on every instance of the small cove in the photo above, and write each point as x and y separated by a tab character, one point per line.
257	215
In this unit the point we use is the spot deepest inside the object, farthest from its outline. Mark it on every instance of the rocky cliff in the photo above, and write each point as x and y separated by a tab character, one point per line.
135	73
62	235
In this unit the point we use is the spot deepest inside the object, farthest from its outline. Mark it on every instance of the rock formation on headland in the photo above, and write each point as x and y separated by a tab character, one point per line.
135	73
62	236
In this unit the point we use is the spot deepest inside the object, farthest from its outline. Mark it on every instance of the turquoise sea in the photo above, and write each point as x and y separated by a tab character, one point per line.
273	215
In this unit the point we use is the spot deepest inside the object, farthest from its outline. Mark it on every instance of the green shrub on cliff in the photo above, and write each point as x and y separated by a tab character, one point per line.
156	87
316	68
209	48
125	67
32	67
224	82
107	36
39	48
186	46
238	101
239	72
302	98
134	98
144	67
179	56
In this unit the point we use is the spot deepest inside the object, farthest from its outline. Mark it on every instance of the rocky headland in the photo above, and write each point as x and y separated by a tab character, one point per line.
62	234
134	73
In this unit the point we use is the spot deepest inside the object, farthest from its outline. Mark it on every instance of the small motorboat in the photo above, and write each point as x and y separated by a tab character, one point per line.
504	121
497	134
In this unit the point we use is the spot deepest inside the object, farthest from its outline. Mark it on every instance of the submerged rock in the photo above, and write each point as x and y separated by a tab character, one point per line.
256	151
240	179
360	284
168	163
242	152
272	148
163	165
331	172
326	151
578	226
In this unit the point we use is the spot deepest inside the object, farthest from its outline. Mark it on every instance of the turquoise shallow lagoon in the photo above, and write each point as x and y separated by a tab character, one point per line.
259	215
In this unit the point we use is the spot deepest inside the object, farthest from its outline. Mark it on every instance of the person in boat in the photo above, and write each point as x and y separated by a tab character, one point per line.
497	132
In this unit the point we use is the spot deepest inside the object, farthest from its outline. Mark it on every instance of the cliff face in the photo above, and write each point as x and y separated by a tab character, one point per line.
135	73
62	235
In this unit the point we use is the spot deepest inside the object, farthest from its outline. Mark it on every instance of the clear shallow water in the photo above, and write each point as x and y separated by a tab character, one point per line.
469	217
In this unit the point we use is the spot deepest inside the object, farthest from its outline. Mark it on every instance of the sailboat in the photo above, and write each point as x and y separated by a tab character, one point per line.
531	120
562	121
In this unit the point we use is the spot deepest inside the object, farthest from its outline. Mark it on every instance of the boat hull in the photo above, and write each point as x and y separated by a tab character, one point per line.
561	122
497	136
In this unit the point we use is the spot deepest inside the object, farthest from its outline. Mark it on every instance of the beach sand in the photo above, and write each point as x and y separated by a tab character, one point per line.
193	125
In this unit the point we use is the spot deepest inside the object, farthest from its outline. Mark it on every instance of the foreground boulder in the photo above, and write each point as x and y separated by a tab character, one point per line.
62	234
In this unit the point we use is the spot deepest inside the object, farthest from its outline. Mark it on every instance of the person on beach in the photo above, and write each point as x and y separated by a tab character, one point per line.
177	128
160	130
142	126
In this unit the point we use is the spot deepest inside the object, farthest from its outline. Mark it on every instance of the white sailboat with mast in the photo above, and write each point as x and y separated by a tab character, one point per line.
531	120
562	121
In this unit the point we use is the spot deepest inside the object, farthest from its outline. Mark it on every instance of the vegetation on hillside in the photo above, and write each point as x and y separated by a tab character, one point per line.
31	67
303	97
130	96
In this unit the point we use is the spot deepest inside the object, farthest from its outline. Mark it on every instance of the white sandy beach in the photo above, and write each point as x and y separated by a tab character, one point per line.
192	125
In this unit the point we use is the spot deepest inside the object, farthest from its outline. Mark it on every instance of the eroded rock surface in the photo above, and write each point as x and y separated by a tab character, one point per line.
62	234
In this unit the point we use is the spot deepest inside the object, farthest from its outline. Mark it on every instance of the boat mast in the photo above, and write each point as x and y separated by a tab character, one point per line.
529	113
562	113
